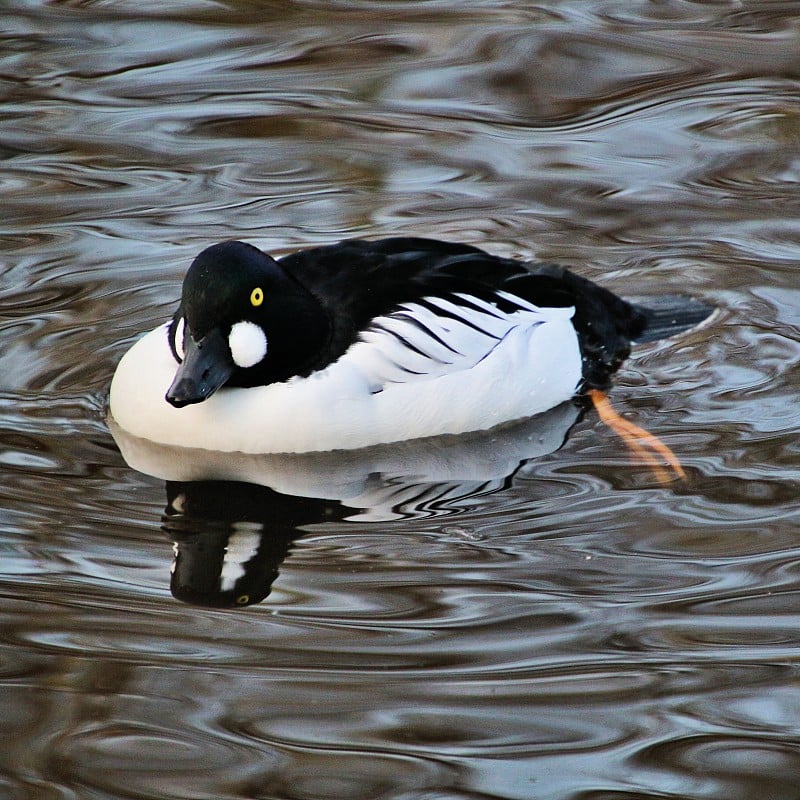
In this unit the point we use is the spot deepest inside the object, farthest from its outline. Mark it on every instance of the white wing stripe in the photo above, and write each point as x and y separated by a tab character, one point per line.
487	307
416	343
518	301
427	327
490	324
407	330
409	344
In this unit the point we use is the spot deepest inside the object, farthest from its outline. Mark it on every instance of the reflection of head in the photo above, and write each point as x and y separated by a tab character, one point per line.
230	539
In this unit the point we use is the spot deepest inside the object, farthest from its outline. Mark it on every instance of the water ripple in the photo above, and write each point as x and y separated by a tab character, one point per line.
556	624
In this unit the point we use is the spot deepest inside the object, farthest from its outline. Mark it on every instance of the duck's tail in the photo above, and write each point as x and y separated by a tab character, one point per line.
669	315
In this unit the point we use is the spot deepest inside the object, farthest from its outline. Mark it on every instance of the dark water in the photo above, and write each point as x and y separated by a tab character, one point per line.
483	619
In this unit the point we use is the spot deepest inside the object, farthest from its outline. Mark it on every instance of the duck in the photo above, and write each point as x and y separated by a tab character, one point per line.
369	342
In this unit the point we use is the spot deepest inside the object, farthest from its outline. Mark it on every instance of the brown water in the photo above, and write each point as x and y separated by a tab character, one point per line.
462	622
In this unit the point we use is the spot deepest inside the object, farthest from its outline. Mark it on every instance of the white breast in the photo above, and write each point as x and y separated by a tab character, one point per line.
414	373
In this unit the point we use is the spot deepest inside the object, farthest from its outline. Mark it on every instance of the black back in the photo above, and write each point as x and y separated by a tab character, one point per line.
359	280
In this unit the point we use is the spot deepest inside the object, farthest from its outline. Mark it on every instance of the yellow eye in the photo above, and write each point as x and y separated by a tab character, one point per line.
257	296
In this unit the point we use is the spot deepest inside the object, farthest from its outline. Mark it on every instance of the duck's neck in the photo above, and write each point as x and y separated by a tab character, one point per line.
298	332
304	338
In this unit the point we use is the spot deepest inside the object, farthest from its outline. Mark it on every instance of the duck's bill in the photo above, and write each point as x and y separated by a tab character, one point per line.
206	366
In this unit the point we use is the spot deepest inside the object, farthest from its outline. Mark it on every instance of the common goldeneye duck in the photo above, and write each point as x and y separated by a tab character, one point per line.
369	342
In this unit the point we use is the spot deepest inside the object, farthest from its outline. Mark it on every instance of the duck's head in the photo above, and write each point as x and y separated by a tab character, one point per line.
242	321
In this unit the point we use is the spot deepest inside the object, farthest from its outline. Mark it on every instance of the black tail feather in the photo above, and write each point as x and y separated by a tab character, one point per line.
669	315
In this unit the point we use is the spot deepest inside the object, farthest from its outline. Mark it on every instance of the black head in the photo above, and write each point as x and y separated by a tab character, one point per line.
242	321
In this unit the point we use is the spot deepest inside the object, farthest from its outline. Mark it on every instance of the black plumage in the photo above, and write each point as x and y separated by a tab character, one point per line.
358	280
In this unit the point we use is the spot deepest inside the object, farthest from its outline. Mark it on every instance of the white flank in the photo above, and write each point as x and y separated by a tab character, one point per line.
412	374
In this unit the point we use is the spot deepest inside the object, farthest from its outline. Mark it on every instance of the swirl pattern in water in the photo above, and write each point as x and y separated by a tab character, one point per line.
533	616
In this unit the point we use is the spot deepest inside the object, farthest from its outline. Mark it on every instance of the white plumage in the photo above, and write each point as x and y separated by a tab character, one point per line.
248	343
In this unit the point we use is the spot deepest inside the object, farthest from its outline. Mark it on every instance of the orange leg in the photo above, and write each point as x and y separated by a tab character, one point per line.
636	438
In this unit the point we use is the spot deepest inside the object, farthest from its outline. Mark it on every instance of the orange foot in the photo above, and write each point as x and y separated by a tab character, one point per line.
637	439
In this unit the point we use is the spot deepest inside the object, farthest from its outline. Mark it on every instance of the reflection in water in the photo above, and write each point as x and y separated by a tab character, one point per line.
234	516
593	635
230	539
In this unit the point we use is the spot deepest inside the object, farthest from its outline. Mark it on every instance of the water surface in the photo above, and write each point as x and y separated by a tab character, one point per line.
504	618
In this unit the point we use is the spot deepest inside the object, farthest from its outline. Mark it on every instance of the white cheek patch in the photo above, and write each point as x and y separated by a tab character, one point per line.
248	344
180	329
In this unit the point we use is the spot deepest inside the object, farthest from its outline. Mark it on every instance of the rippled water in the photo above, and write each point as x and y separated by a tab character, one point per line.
496	617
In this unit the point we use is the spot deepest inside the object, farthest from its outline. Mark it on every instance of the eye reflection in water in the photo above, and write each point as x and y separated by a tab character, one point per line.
233	517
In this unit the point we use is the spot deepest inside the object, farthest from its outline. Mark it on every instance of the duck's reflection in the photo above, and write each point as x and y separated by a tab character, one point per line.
234	516
230	538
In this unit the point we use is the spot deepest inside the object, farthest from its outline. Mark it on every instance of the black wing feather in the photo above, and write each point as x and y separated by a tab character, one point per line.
358	280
